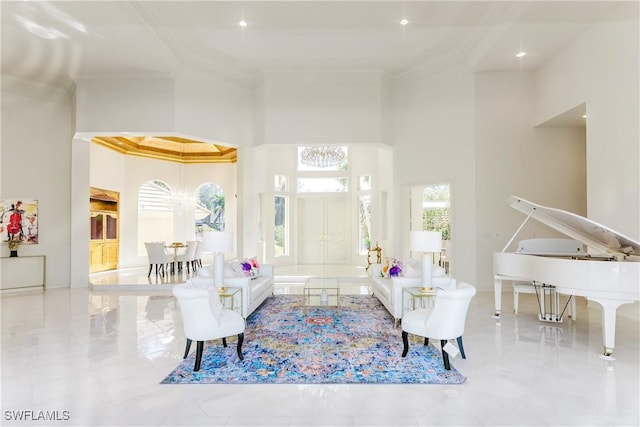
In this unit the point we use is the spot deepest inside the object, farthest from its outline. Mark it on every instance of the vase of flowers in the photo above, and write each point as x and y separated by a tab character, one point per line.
14	244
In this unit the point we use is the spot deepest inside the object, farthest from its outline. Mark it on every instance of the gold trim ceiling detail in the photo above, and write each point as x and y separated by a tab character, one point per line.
170	148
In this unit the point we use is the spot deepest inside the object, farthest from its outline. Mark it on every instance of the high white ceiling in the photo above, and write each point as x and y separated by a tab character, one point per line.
65	40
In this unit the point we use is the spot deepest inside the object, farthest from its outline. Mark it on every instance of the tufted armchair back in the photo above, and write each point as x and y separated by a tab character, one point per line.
200	307
447	318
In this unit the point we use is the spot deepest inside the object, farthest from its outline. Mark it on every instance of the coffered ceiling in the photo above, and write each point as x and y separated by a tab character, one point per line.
171	148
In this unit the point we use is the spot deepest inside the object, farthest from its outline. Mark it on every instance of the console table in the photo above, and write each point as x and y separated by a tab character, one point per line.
23	272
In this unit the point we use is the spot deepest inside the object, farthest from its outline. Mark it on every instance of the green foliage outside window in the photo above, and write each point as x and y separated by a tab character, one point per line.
434	217
211	197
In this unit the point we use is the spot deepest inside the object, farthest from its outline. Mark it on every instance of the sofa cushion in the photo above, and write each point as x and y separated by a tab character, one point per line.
260	285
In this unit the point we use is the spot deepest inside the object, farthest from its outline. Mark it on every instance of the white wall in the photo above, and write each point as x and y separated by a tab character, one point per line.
322	108
125	105
543	165
213	109
602	68
434	142
36	160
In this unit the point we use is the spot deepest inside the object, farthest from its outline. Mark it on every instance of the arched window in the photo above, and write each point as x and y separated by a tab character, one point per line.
155	215
209	212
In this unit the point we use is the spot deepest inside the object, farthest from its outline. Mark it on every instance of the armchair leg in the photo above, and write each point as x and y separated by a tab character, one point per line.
240	341
150	268
426	341
199	349
445	356
186	350
224	342
405	341
459	339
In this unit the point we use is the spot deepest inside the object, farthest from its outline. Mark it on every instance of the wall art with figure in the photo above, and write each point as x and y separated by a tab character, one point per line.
19	221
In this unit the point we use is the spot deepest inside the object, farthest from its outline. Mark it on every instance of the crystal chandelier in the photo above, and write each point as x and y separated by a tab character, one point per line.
180	201
323	156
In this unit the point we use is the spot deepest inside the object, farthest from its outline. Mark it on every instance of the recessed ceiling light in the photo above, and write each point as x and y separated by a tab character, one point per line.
404	22
584	116
520	54
242	23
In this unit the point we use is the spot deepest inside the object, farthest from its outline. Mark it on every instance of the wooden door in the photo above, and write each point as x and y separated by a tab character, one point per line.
104	225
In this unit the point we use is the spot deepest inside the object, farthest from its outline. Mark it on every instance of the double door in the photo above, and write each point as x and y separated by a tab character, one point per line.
324	232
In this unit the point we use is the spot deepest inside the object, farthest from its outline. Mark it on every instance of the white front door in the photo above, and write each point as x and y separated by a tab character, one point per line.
324	233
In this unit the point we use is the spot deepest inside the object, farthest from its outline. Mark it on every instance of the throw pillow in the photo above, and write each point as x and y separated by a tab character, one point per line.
237	267
228	269
254	263
248	268
392	268
412	268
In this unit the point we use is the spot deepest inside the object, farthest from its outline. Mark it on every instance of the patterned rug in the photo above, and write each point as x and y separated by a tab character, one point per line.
282	346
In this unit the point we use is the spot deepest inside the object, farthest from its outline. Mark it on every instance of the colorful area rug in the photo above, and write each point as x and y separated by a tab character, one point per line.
283	346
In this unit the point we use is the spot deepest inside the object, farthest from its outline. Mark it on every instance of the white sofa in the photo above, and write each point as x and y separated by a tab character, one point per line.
254	291
390	291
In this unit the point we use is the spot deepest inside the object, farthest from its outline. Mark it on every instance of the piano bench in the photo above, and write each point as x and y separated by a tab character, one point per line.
529	288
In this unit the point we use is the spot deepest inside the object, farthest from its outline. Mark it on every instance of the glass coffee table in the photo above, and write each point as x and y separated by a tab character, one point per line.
321	292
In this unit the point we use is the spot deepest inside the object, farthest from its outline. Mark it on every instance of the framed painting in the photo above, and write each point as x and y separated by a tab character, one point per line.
19	221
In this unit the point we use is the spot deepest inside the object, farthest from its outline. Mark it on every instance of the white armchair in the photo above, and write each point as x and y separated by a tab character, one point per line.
444	321
205	319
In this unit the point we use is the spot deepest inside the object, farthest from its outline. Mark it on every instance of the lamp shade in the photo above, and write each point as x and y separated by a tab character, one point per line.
218	241
426	241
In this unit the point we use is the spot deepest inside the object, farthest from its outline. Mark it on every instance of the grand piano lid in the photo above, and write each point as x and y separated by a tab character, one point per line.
594	235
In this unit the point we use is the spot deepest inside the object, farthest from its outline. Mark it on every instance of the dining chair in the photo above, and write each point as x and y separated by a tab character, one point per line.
157	257
198	256
444	321
204	318
188	256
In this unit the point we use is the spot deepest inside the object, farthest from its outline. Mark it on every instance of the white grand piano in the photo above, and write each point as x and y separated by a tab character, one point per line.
607	273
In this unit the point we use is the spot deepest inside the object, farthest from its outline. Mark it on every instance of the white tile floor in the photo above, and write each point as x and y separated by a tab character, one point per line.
100	355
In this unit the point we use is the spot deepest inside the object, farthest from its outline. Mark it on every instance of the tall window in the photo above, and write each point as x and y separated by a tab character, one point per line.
281	217
209	211
364	214
436	209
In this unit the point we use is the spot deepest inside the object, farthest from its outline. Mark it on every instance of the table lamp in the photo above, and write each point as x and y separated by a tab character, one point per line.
218	242
426	242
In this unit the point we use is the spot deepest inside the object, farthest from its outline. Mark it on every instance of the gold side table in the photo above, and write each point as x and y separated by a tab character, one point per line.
424	296
228	297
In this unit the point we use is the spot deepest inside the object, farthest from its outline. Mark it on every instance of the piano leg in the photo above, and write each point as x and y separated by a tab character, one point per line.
609	308
497	295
